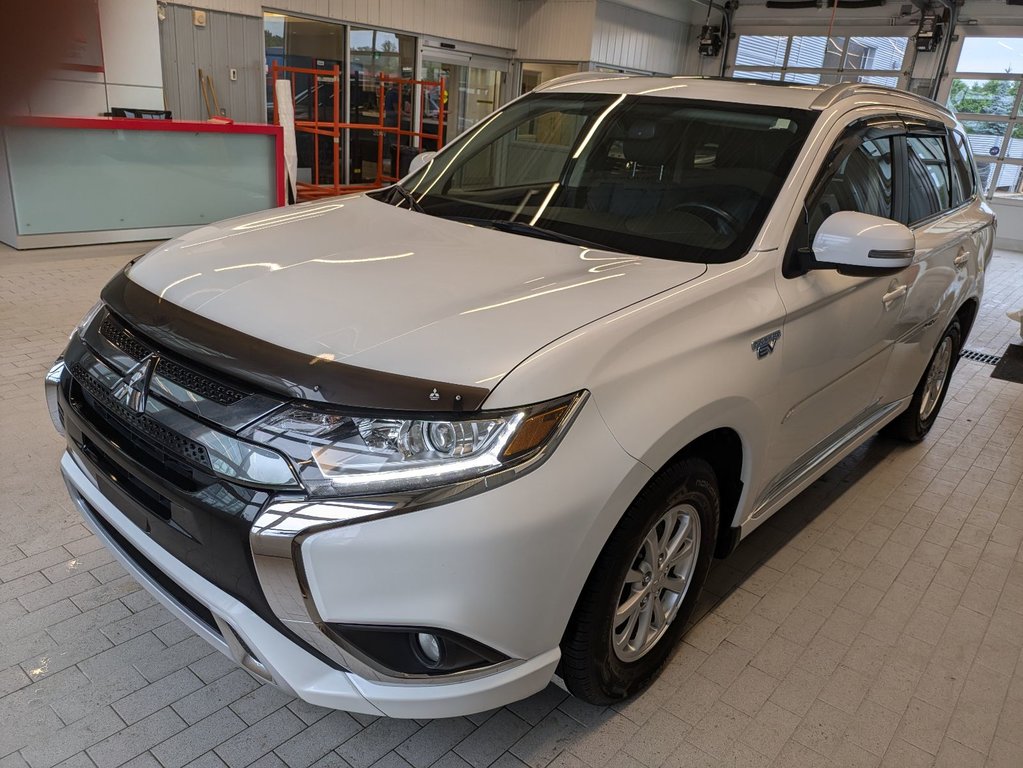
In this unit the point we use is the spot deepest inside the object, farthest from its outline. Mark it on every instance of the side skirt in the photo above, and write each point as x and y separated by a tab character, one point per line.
820	459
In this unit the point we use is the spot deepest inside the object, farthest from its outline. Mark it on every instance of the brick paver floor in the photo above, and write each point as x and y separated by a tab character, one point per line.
875	621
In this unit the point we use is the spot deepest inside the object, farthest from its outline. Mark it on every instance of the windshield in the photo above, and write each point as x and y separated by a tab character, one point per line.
663	177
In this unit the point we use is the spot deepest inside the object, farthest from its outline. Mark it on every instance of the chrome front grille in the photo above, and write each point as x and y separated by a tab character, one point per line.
141	423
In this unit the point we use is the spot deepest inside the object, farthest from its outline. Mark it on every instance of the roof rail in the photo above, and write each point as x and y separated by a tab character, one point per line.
840	91
579	77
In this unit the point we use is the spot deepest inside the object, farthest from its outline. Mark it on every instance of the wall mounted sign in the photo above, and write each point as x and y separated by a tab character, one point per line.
85	51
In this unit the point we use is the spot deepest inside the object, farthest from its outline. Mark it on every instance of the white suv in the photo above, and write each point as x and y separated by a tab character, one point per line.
419	462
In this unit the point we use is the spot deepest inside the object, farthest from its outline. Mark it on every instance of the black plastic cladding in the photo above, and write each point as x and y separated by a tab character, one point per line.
277	370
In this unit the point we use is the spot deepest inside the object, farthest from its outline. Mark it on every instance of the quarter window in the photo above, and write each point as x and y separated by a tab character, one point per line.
963	184
928	179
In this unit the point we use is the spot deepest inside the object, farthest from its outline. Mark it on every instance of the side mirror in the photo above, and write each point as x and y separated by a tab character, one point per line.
423	158
862	245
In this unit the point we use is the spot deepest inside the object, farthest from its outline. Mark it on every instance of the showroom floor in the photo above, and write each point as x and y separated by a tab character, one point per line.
876	620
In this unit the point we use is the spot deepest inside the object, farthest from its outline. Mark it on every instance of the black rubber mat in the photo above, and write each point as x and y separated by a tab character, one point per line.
1010	367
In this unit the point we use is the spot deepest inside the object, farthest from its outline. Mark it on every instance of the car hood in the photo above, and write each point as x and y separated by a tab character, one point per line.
357	281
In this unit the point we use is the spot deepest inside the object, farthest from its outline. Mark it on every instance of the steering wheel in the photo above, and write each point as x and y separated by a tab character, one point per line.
721	216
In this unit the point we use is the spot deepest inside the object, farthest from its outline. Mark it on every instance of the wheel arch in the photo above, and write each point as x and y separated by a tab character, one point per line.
967	314
724	450
729	433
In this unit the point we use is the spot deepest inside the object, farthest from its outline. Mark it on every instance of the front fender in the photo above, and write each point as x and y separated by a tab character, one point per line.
674	367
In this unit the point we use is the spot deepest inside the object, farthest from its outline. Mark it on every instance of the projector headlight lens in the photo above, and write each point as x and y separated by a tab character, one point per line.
344	454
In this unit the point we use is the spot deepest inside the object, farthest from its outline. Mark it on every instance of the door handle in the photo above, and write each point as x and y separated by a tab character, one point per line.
961	258
894	295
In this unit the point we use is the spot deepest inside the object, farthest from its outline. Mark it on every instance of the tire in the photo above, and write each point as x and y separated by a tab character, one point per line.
916	421
595	668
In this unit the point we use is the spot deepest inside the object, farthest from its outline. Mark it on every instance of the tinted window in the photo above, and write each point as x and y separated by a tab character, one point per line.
862	182
963	184
665	177
928	182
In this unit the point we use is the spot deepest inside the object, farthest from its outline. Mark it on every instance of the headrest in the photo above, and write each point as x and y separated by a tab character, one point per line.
642	129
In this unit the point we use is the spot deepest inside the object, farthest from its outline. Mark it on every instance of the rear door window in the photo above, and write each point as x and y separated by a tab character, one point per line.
928	178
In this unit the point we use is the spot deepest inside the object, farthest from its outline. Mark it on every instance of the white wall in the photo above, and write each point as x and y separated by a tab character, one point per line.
486	22
81	94
1010	225
687	12
555	30
131	62
131	53
625	36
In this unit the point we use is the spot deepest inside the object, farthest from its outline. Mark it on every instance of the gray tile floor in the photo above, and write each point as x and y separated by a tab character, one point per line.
876	620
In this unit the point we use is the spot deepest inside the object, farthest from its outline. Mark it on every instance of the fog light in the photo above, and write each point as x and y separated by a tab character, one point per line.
430	647
414	651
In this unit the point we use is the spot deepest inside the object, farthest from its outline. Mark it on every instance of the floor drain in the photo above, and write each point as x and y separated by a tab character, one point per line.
980	357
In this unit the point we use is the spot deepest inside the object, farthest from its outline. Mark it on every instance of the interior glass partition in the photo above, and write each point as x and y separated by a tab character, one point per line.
294	41
536	72
366	55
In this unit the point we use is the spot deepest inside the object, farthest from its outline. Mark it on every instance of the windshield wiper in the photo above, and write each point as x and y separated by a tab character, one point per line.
406	197
530	230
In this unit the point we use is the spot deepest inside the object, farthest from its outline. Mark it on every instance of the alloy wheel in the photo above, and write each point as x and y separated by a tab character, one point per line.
656	583
936	375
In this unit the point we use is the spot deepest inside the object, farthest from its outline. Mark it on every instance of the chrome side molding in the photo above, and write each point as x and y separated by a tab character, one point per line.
815	460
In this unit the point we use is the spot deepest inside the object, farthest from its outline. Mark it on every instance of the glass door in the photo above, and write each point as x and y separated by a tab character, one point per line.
472	88
482	95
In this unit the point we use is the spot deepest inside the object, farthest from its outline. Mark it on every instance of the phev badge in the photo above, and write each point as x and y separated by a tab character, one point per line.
764	346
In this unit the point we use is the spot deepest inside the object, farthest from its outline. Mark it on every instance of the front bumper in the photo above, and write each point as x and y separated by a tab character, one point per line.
503	567
255	645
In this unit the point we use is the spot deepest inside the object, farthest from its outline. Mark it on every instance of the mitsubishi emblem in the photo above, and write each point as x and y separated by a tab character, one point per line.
132	389
435	395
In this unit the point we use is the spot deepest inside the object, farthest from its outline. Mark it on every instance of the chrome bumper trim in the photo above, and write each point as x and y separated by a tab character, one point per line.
51	384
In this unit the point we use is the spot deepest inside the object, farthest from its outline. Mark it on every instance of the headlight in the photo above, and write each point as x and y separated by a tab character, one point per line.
86	321
345	454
